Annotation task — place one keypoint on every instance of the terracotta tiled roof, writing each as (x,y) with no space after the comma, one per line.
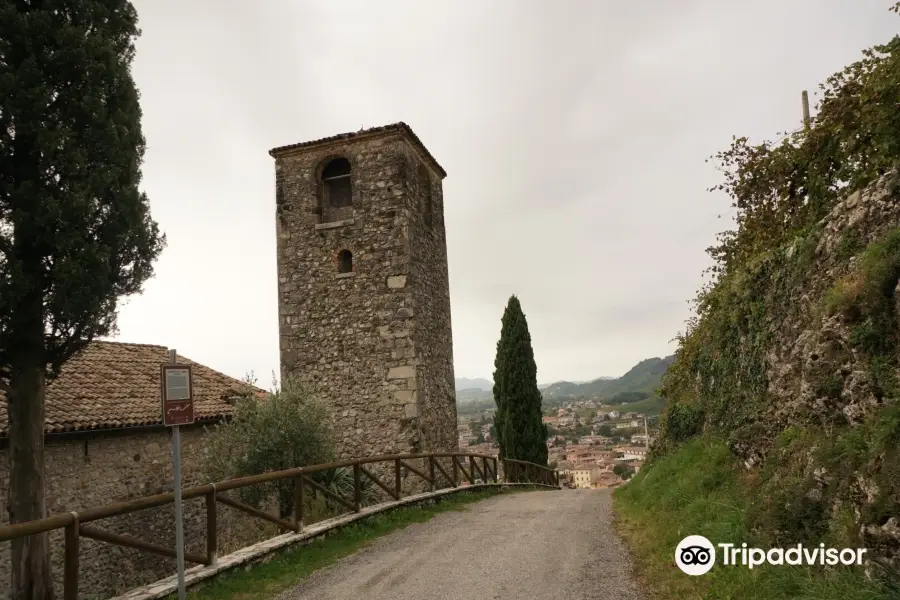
(583,467)
(400,127)
(116,385)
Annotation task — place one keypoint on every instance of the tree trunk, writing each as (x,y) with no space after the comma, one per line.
(31,576)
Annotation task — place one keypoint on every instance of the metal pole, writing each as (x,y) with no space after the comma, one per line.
(179,507)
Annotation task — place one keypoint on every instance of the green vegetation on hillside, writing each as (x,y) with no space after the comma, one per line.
(789,366)
(643,377)
(635,391)
(650,406)
(476,407)
(701,489)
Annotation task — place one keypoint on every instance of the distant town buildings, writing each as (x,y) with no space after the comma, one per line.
(590,446)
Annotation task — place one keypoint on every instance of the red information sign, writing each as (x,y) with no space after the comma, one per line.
(177,395)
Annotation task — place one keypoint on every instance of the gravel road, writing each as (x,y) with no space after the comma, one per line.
(545,545)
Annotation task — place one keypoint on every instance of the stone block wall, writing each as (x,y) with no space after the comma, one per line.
(96,470)
(430,287)
(361,341)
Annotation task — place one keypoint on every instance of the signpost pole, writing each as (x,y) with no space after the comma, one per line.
(179,507)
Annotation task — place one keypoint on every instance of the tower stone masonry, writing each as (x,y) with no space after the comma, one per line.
(363,288)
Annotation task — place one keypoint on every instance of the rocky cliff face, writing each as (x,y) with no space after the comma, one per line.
(816,366)
(796,360)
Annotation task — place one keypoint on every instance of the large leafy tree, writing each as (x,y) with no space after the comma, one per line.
(75,231)
(521,432)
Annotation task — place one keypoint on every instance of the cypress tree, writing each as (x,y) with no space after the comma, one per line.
(520,429)
(75,229)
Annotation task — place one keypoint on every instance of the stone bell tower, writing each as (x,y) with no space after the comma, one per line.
(363,290)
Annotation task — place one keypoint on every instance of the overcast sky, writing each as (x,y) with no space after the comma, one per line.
(574,134)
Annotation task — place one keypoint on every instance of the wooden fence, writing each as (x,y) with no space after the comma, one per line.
(75,523)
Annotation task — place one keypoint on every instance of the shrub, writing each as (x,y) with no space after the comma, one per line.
(682,422)
(283,429)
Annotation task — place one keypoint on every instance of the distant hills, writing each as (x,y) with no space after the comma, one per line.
(640,382)
(642,377)
(479,383)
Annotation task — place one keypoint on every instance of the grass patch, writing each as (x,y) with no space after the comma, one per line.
(586,415)
(264,581)
(700,489)
(648,406)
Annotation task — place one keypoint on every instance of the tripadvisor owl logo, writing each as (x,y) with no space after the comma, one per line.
(695,555)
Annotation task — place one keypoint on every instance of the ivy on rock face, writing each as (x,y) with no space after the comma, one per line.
(793,354)
(780,189)
(780,192)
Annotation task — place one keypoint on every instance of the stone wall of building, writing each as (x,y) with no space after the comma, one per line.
(373,344)
(95,470)
(430,287)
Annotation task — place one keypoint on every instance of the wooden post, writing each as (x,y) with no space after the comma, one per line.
(397,478)
(496,470)
(212,542)
(357,486)
(484,469)
(431,460)
(70,575)
(472,469)
(806,119)
(299,496)
(455,471)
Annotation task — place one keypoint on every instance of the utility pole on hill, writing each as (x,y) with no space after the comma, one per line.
(806,119)
(646,434)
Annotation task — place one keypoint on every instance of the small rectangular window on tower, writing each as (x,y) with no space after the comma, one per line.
(339,191)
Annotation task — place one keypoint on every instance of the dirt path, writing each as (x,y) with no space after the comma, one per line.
(545,545)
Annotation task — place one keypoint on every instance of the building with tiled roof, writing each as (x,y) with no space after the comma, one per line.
(114,385)
(105,443)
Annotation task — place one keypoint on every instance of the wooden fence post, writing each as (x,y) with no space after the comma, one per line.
(299,496)
(496,470)
(431,460)
(357,486)
(397,478)
(70,575)
(212,542)
(455,471)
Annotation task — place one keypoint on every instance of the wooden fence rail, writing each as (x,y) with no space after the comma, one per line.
(74,523)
